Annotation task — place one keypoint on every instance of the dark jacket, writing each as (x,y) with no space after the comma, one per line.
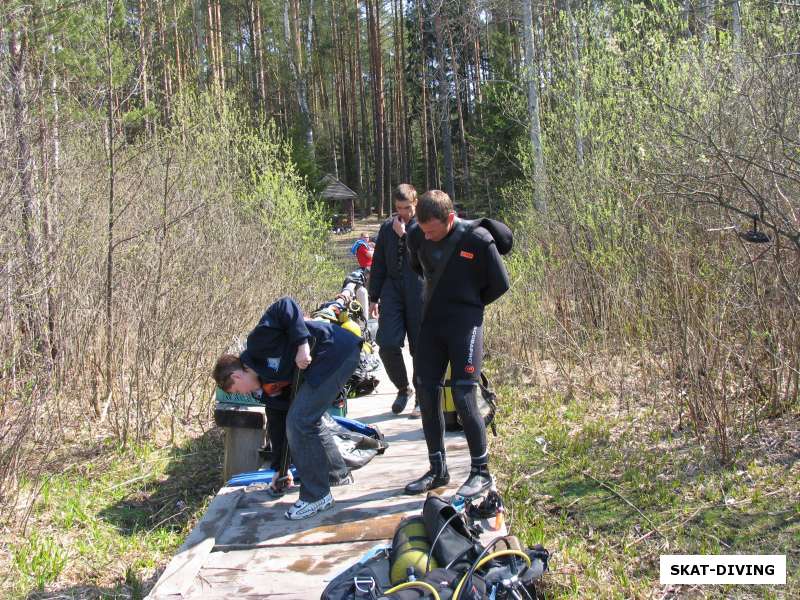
(390,263)
(273,343)
(474,275)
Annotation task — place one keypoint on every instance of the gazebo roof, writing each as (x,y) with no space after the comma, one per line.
(335,189)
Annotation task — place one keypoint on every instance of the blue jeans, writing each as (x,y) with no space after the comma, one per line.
(304,429)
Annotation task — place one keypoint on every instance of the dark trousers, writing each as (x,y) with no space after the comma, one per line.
(276,429)
(458,340)
(399,317)
(309,441)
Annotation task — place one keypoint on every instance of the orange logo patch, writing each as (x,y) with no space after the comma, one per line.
(470,368)
(468,255)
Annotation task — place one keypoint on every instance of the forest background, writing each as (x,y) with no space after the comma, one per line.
(159,169)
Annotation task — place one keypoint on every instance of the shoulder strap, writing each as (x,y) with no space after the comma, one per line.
(453,240)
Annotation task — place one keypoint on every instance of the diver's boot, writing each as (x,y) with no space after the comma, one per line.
(437,476)
(479,481)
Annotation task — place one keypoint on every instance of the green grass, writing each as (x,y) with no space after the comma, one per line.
(102,528)
(607,491)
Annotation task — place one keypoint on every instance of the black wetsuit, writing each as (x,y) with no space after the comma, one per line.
(399,290)
(452,322)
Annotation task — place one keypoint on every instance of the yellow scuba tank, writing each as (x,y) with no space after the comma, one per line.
(352,327)
(410,548)
(345,322)
(448,405)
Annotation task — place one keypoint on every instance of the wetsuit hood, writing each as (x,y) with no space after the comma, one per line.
(503,238)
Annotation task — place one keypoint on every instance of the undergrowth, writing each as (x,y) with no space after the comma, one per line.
(608,488)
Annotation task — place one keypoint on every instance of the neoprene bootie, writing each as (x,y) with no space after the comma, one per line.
(437,476)
(479,481)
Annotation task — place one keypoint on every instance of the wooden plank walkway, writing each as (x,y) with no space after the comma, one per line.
(243,547)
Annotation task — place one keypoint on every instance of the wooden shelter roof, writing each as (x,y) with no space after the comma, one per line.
(335,189)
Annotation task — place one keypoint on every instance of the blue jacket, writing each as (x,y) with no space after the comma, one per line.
(273,343)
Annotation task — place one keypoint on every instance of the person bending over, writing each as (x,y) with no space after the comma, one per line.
(278,345)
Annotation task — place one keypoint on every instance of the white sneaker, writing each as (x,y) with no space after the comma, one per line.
(303,510)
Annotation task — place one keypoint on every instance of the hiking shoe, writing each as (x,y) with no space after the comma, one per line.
(479,481)
(415,414)
(427,482)
(303,510)
(401,400)
(346,480)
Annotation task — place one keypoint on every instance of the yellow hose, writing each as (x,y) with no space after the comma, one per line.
(486,559)
(409,584)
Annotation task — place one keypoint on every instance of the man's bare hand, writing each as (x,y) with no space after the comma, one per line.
(303,357)
(374,311)
(399,226)
(279,484)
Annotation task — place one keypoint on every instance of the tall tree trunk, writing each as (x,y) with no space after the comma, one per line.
(18,61)
(397,97)
(444,107)
(166,67)
(253,45)
(309,63)
(737,36)
(424,84)
(378,103)
(220,47)
(406,119)
(54,197)
(198,20)
(531,77)
(291,19)
(366,171)
(354,130)
(578,83)
(144,48)
(461,130)
(178,61)
(478,77)
(212,44)
(709,8)
(342,105)
(109,328)
(261,84)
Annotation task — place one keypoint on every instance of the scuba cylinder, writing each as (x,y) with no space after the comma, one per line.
(448,405)
(410,549)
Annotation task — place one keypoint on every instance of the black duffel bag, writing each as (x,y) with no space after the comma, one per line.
(453,537)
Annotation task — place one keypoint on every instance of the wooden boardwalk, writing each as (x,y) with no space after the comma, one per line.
(244,547)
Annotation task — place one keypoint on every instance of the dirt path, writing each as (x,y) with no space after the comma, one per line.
(343,242)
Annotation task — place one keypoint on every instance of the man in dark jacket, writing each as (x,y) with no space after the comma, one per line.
(398,289)
(460,261)
(280,343)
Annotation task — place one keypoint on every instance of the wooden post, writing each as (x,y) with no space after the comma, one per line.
(241,450)
(244,435)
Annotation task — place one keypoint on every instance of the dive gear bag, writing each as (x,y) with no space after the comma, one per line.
(502,570)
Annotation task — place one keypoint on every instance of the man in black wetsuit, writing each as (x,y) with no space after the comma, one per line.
(398,289)
(460,261)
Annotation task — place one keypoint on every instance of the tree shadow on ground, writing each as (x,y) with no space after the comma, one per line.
(132,588)
(194,473)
